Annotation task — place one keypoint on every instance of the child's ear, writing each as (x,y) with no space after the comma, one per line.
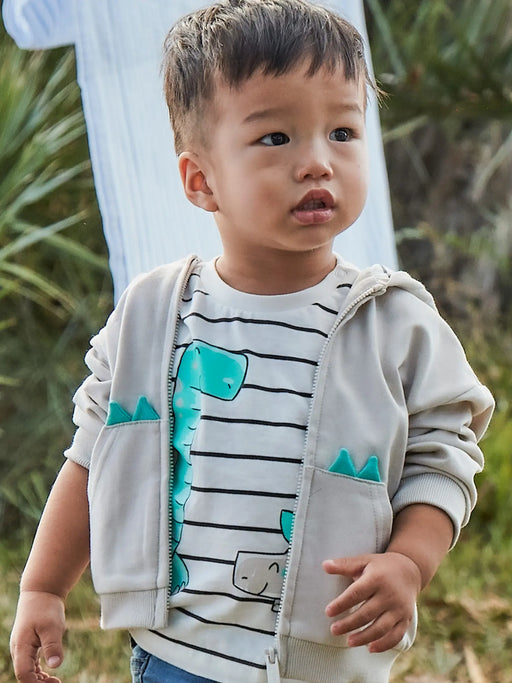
(194,181)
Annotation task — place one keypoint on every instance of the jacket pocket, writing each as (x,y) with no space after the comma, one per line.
(125,498)
(337,516)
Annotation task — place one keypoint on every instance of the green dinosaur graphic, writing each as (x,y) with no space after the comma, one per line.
(203,369)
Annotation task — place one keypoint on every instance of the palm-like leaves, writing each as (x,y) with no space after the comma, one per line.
(38,125)
(53,269)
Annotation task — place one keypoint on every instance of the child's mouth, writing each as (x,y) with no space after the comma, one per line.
(312,205)
(317,206)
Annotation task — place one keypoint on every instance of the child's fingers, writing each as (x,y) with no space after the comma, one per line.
(47,678)
(38,630)
(346,566)
(25,662)
(381,633)
(364,615)
(388,640)
(355,594)
(360,591)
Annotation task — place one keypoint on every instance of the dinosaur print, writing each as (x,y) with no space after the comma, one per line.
(203,369)
(262,573)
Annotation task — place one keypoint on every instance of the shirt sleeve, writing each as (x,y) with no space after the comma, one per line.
(39,24)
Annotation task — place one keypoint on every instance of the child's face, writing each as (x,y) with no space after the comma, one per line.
(285,162)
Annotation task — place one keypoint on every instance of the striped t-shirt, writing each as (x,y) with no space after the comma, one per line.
(243,379)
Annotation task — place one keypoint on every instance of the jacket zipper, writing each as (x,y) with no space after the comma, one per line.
(271,654)
(170,393)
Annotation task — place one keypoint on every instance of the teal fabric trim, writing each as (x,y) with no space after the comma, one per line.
(118,415)
(287,524)
(371,469)
(144,410)
(344,465)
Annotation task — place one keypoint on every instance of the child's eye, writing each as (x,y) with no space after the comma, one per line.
(340,135)
(274,139)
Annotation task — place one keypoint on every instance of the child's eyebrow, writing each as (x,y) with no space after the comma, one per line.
(270,112)
(261,114)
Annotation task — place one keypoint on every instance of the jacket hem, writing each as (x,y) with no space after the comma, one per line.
(323,663)
(135,609)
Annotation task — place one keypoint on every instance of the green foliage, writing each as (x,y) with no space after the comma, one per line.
(443,58)
(40,124)
(54,282)
(447,67)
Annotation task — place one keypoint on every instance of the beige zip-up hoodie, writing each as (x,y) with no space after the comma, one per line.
(392,382)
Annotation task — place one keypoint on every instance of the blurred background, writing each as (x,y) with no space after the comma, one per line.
(446,66)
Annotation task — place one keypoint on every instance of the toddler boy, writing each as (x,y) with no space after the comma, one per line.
(274,450)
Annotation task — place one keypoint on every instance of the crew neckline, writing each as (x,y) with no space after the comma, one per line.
(235,298)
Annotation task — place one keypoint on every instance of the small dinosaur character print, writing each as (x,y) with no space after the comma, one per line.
(262,573)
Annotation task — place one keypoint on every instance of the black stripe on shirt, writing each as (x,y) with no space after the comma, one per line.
(266,423)
(233,527)
(215,560)
(208,652)
(222,623)
(327,310)
(277,390)
(269,356)
(238,598)
(244,492)
(245,456)
(190,298)
(256,321)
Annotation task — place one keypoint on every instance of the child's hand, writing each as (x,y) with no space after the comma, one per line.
(382,598)
(39,625)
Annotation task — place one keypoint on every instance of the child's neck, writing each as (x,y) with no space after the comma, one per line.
(291,273)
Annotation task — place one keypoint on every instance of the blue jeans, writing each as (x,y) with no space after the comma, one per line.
(146,668)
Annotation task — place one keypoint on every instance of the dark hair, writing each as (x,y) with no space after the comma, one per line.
(233,39)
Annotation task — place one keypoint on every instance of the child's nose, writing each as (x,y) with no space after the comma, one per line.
(313,162)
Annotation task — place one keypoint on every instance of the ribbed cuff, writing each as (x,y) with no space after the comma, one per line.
(437,490)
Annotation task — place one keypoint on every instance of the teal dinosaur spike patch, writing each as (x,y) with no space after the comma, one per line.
(144,410)
(118,415)
(344,465)
(371,469)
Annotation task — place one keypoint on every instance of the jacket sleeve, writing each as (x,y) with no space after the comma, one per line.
(142,318)
(92,397)
(449,410)
(37,24)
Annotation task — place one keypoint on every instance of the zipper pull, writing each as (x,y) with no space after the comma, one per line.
(272,664)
